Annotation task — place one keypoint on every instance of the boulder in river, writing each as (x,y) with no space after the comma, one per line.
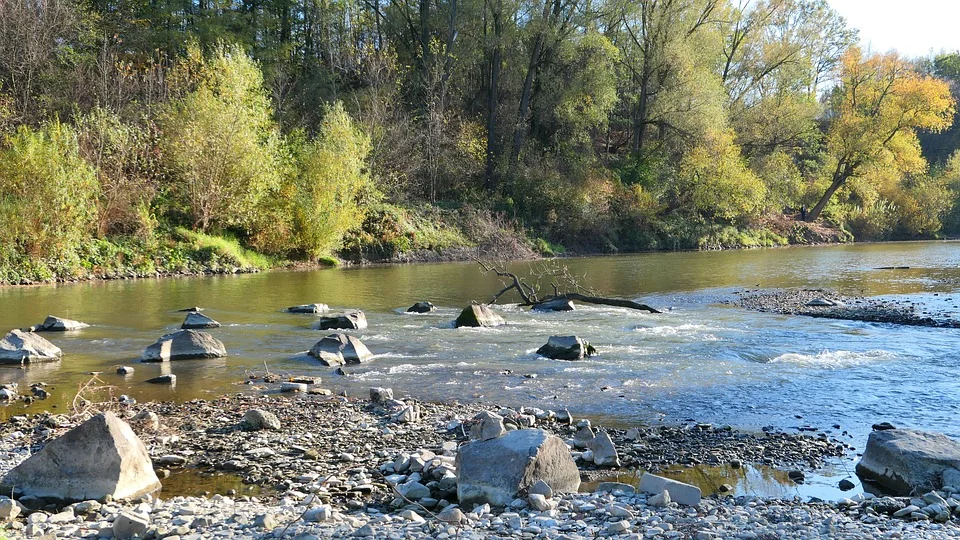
(196,320)
(908,461)
(555,304)
(478,315)
(184,345)
(19,347)
(309,308)
(169,379)
(101,457)
(338,349)
(57,324)
(421,307)
(566,348)
(348,320)
(496,470)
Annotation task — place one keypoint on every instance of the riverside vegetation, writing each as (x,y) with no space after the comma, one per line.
(144,138)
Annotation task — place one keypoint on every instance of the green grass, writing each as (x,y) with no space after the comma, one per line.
(222,250)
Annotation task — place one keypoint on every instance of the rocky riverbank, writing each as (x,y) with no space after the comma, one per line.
(833,305)
(333,467)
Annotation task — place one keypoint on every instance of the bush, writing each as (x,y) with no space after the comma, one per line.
(219,141)
(330,182)
(48,197)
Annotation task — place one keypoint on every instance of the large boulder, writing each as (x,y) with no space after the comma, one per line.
(566,348)
(184,345)
(478,315)
(495,471)
(56,324)
(19,347)
(421,307)
(309,308)
(348,320)
(99,458)
(339,349)
(555,304)
(908,461)
(196,320)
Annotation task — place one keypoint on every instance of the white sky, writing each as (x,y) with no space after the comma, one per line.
(912,27)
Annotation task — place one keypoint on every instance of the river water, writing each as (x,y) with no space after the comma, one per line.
(701,359)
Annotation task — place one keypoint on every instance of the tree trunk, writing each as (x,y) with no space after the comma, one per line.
(844,170)
(495,66)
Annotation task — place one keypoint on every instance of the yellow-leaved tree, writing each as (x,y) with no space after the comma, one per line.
(879,105)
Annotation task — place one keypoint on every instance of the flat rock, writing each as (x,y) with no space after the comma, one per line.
(478,315)
(19,347)
(99,458)
(184,345)
(309,308)
(348,320)
(57,324)
(907,460)
(566,348)
(496,470)
(339,349)
(678,491)
(169,378)
(196,320)
(421,307)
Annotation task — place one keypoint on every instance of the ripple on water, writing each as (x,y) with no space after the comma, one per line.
(834,359)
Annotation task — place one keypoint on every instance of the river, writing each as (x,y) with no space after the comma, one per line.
(701,359)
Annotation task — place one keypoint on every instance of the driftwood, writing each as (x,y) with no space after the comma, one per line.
(530,294)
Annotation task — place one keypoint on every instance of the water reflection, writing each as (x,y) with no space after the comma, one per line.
(755,480)
(701,360)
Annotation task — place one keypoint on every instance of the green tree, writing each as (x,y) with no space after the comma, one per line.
(219,140)
(48,195)
(330,182)
(879,105)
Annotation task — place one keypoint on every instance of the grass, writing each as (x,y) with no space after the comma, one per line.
(222,250)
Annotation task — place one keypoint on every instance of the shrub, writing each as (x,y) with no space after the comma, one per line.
(48,199)
(219,140)
(330,182)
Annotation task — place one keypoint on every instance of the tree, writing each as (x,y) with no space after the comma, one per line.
(877,108)
(219,140)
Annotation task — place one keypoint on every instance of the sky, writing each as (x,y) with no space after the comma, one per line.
(912,27)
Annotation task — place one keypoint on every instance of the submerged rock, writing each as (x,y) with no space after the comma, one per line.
(555,304)
(907,460)
(567,348)
(19,347)
(478,315)
(421,307)
(496,470)
(309,308)
(348,320)
(57,324)
(169,379)
(184,345)
(196,320)
(101,457)
(339,349)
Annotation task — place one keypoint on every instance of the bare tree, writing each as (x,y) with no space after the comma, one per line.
(559,276)
(31,32)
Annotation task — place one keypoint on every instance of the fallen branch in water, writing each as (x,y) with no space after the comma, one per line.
(530,293)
